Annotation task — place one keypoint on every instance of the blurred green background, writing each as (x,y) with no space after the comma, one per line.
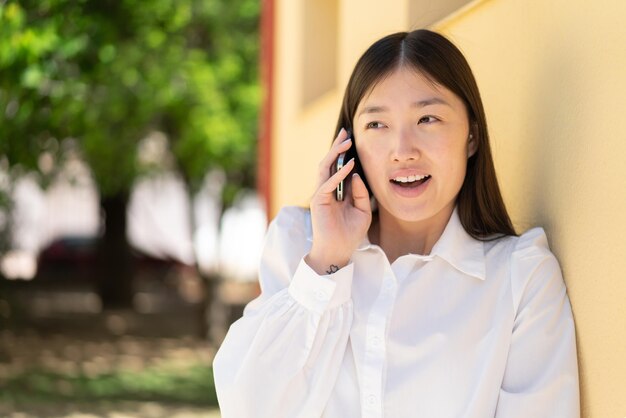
(91,79)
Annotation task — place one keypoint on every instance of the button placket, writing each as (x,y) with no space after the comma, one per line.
(375,341)
(375,349)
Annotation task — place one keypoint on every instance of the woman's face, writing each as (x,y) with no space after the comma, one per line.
(412,138)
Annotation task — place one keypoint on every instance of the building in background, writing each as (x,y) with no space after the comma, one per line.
(551,77)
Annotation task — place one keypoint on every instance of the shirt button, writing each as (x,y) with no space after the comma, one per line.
(375,341)
(371,399)
(322,295)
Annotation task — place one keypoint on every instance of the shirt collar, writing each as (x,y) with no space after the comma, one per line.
(459,249)
(455,246)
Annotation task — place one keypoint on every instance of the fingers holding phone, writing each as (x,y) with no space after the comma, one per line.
(339,225)
(343,153)
(352,185)
(358,191)
(327,166)
(341,170)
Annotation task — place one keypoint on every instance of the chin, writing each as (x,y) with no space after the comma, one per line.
(407,214)
(414,213)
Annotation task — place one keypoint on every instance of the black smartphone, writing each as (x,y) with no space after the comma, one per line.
(343,158)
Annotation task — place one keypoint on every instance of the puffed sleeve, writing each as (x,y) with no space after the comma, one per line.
(281,358)
(541,376)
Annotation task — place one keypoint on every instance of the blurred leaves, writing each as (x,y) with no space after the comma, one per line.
(107,73)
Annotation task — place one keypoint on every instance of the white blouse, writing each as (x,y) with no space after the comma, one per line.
(475,329)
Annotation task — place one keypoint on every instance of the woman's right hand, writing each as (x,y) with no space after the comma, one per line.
(338,226)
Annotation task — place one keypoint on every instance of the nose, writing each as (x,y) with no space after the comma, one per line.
(406,146)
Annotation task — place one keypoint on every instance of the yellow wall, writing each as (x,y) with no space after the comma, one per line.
(553,79)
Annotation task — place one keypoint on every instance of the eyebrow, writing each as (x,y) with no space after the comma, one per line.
(422,103)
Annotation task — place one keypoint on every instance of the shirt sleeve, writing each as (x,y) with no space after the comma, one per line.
(541,376)
(281,358)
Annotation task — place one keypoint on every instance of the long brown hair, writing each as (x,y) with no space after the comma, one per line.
(480,205)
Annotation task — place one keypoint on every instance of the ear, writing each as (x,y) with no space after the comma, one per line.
(472,140)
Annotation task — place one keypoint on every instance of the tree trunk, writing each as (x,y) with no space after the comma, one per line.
(207,281)
(114,259)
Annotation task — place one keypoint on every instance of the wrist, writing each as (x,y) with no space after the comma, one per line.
(323,265)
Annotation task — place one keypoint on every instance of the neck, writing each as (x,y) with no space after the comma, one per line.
(397,237)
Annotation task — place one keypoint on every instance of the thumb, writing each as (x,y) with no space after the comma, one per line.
(359,194)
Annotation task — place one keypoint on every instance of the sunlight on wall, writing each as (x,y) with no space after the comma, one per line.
(553,86)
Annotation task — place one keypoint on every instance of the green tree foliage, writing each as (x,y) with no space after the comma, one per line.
(97,76)
(107,72)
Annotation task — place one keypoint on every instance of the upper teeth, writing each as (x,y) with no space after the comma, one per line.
(409,179)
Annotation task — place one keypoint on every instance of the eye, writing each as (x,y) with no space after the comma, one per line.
(427,119)
(374,125)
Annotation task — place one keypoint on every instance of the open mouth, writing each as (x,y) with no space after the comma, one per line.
(411,181)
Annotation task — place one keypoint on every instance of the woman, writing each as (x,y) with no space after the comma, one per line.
(422,302)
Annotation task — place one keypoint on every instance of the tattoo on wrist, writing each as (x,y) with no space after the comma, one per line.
(333,269)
